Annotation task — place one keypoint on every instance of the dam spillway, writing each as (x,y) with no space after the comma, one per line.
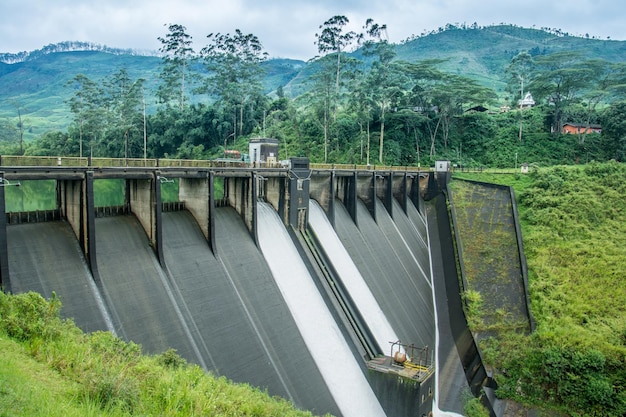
(321,334)
(207,279)
(351,277)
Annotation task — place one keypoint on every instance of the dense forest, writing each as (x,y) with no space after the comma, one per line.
(362,100)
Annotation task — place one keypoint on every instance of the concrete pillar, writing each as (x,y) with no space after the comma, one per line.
(399,184)
(414,186)
(88,225)
(251,215)
(211,225)
(275,191)
(322,189)
(71,202)
(197,194)
(388,200)
(242,196)
(384,189)
(157,210)
(347,193)
(299,186)
(366,190)
(76,201)
(144,196)
(330,211)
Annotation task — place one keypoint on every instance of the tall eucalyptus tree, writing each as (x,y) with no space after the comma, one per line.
(442,97)
(125,97)
(519,72)
(177,66)
(561,77)
(384,82)
(609,81)
(333,39)
(235,73)
(87,104)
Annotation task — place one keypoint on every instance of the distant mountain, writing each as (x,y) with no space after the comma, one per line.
(8,58)
(37,85)
(36,81)
(484,53)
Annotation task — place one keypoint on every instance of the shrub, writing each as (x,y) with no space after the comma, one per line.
(473,408)
(474,308)
(170,359)
(29,316)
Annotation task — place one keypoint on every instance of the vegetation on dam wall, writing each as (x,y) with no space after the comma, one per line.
(491,267)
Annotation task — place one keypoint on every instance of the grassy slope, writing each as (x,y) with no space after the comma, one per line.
(574,227)
(48,367)
(30,388)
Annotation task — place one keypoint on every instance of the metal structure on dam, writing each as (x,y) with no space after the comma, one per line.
(211,276)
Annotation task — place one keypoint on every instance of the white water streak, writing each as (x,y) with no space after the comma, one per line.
(436,411)
(351,277)
(324,339)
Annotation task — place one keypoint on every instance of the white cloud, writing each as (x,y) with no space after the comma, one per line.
(285,27)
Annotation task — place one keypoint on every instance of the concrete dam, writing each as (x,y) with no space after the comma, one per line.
(325,287)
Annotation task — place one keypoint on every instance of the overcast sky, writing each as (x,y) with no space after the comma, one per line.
(286,28)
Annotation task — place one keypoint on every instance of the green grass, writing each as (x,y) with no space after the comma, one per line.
(30,388)
(574,232)
(48,367)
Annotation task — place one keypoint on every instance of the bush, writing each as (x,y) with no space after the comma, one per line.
(474,408)
(474,308)
(29,316)
(170,359)
(113,390)
(575,379)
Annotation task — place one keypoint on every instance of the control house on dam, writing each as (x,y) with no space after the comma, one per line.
(314,284)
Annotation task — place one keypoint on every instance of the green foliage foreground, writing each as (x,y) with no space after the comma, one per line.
(48,367)
(574,227)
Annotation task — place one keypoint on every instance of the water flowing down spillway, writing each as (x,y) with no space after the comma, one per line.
(323,338)
(351,277)
(400,285)
(450,377)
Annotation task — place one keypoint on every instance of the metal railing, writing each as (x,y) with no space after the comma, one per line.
(69,161)
(74,161)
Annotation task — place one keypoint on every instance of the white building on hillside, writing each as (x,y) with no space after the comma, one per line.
(526,102)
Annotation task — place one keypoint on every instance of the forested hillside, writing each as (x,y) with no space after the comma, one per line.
(437,95)
(485,53)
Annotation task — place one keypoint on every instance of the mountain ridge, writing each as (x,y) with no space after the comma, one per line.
(69,46)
